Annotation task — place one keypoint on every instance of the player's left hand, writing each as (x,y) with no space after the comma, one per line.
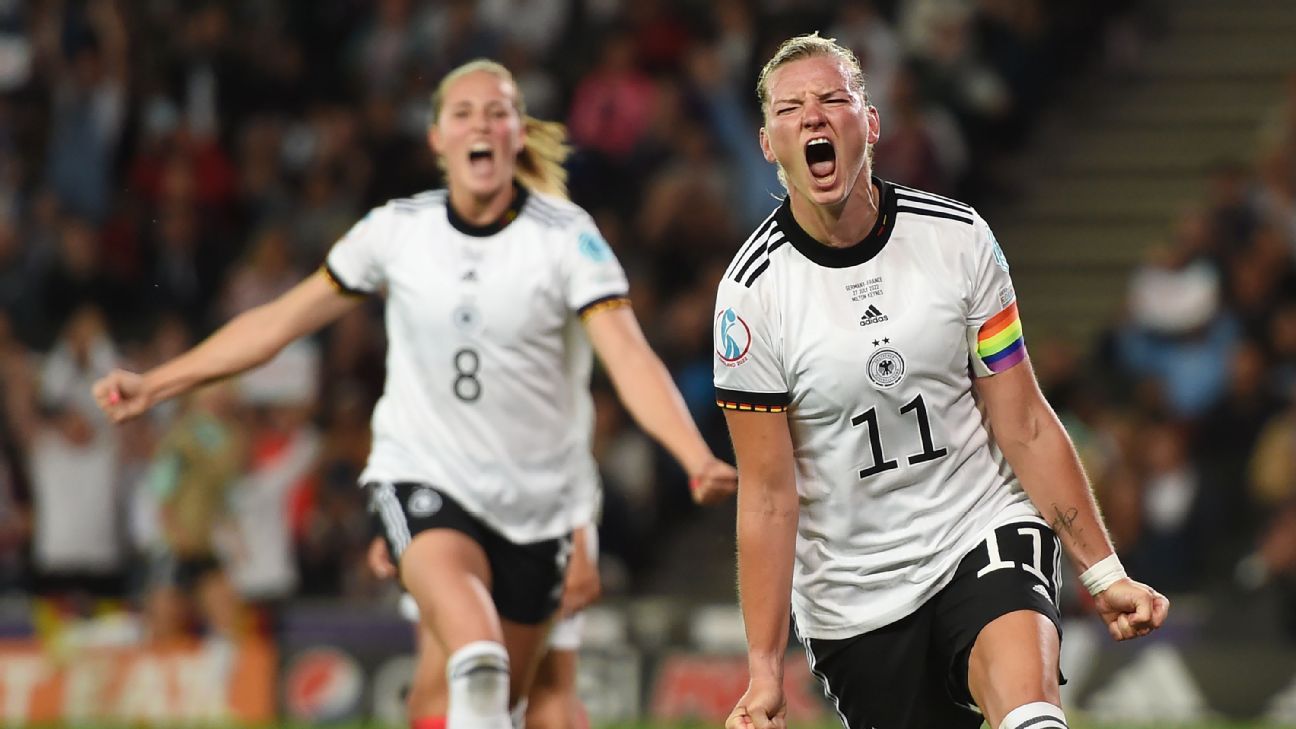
(582,585)
(379,561)
(713,483)
(763,706)
(1131,609)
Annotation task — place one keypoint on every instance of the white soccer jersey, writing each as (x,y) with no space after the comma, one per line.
(487,391)
(870,351)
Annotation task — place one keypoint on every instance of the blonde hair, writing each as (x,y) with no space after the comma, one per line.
(540,163)
(808,46)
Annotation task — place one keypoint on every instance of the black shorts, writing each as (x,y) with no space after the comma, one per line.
(913,673)
(183,573)
(526,579)
(109,585)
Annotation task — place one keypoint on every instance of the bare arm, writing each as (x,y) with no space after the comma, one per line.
(1041,454)
(247,340)
(649,393)
(768,509)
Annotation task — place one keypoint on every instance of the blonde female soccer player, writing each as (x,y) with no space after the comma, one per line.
(495,290)
(856,333)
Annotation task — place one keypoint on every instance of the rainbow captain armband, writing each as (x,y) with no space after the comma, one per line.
(998,344)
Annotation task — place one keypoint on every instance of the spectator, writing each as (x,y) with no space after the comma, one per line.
(1222,447)
(79,548)
(15,491)
(613,103)
(923,146)
(267,272)
(90,84)
(862,29)
(1178,335)
(1170,545)
(535,26)
(196,464)
(283,451)
(386,48)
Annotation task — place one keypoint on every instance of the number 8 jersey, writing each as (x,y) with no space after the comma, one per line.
(869,352)
(487,390)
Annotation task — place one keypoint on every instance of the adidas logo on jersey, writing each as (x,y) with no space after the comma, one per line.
(873,316)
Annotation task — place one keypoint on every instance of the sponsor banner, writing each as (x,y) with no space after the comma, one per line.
(127,685)
(323,684)
(701,687)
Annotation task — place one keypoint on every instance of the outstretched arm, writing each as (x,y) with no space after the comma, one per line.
(645,386)
(247,340)
(1041,454)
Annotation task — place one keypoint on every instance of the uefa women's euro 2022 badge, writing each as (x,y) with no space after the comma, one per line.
(593,247)
(732,338)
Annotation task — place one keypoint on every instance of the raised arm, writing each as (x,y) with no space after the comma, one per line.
(1041,454)
(767,526)
(645,386)
(247,340)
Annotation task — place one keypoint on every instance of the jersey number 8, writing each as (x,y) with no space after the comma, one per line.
(466,385)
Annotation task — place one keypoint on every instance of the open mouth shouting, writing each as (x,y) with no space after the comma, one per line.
(481,158)
(821,159)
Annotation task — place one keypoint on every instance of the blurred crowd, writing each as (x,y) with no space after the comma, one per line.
(1187,409)
(167,164)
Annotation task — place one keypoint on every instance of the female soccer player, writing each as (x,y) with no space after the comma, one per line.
(856,332)
(480,459)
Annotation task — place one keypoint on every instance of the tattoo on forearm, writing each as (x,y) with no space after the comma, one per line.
(1064,521)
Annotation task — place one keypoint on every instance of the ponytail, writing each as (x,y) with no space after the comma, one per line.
(540,164)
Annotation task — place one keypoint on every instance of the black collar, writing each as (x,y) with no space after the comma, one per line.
(520,196)
(831,257)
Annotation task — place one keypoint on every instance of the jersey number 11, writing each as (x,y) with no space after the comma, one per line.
(880,463)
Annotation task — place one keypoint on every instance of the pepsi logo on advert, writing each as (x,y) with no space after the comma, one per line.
(323,684)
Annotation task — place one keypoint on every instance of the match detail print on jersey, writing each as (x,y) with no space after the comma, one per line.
(1000,343)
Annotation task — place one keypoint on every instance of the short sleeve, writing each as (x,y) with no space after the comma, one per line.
(594,277)
(994,329)
(747,361)
(355,263)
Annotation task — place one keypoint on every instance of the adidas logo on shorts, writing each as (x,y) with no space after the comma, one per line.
(873,316)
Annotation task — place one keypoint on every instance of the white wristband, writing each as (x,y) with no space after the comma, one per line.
(1103,574)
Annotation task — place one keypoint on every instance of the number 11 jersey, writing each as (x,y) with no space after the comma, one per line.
(487,391)
(869,352)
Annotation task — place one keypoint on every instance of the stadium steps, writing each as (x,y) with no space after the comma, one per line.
(1112,167)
